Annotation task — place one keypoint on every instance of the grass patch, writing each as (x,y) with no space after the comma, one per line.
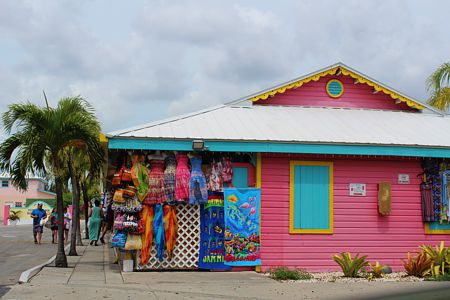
(445,277)
(283,273)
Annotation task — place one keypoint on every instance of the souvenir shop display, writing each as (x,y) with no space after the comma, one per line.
(158,231)
(198,194)
(147,237)
(170,178)
(242,227)
(182,178)
(170,229)
(212,247)
(149,189)
(435,191)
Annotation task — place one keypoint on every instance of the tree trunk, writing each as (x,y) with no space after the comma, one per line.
(86,210)
(61,259)
(79,241)
(75,203)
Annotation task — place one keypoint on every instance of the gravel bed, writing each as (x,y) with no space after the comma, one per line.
(339,277)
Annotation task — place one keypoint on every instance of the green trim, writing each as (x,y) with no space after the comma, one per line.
(50,202)
(46,192)
(232,146)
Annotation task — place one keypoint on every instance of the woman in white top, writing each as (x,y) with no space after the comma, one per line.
(67,219)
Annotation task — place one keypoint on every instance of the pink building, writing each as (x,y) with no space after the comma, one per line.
(9,195)
(327,147)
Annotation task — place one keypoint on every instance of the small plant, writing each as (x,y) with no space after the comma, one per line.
(419,265)
(350,266)
(440,258)
(445,277)
(283,273)
(14,215)
(377,269)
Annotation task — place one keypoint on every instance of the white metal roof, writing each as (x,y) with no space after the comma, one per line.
(301,125)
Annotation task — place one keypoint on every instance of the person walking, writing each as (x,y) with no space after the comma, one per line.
(38,214)
(54,225)
(67,219)
(96,215)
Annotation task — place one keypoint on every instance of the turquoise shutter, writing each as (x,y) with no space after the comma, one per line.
(240,177)
(311,198)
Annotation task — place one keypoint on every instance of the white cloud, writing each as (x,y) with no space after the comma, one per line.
(141,61)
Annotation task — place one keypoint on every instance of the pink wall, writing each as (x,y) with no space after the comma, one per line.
(11,194)
(355,96)
(357,225)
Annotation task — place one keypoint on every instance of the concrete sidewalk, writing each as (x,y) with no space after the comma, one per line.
(93,276)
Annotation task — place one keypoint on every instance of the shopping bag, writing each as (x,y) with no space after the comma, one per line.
(118,196)
(134,242)
(119,239)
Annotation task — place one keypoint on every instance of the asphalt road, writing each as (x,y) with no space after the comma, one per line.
(19,253)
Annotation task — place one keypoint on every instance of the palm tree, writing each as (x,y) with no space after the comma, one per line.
(438,86)
(79,168)
(39,131)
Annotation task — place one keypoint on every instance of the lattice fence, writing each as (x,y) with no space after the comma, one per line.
(187,246)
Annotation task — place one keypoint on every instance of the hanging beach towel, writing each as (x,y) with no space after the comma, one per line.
(242,244)
(170,229)
(147,237)
(212,226)
(158,231)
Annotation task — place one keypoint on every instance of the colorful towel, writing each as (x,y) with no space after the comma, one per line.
(170,228)
(242,244)
(147,239)
(212,247)
(158,231)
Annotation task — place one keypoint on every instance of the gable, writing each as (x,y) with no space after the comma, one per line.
(359,91)
(314,93)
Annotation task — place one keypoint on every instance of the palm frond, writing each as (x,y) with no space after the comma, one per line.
(439,77)
(440,98)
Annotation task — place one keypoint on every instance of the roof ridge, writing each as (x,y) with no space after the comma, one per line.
(165,121)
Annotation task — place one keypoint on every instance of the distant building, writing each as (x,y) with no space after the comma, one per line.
(11,196)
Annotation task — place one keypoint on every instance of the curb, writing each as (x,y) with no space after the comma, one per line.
(30,273)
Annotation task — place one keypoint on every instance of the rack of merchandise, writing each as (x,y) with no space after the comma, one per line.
(158,198)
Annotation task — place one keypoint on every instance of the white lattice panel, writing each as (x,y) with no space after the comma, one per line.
(185,254)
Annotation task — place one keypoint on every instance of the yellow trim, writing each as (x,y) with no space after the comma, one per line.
(435,231)
(103,138)
(328,92)
(258,185)
(294,163)
(346,72)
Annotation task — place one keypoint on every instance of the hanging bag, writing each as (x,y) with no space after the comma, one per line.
(118,222)
(133,242)
(118,196)
(117,178)
(129,192)
(119,240)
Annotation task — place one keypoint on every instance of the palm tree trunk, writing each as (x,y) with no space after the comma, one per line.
(79,241)
(86,209)
(75,203)
(61,259)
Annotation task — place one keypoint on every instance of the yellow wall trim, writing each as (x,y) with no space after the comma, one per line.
(258,185)
(346,72)
(293,230)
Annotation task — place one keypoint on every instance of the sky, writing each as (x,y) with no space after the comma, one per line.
(141,61)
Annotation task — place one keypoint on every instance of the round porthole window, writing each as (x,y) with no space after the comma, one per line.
(335,88)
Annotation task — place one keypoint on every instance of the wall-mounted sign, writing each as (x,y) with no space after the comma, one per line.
(403,178)
(357,189)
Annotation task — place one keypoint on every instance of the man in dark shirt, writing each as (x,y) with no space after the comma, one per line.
(38,214)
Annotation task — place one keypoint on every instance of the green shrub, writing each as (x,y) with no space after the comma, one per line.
(350,266)
(283,273)
(419,265)
(440,258)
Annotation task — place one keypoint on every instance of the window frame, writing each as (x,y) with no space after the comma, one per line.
(7,183)
(292,229)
